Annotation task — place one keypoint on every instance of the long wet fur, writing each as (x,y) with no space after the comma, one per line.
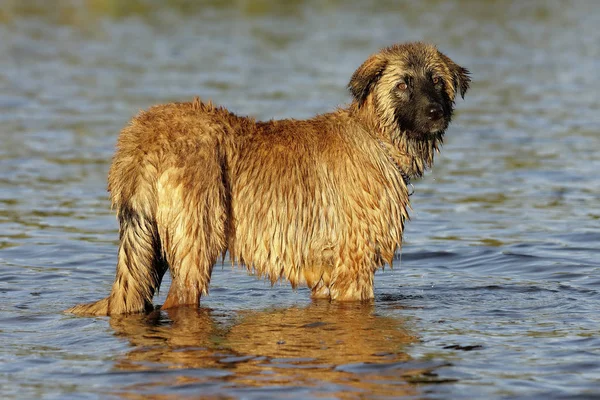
(320,202)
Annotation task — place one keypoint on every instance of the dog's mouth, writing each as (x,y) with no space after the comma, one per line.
(427,131)
(423,126)
(437,128)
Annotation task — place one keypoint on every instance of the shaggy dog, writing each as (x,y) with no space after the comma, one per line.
(320,202)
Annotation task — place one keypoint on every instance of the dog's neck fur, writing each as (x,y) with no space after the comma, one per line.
(414,155)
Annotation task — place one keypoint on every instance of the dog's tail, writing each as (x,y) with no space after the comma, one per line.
(140,268)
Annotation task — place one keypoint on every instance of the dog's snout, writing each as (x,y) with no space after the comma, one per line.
(435,112)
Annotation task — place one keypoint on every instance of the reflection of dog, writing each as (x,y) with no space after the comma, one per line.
(333,348)
(330,333)
(321,201)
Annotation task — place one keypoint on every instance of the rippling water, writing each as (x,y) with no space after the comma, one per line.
(498,288)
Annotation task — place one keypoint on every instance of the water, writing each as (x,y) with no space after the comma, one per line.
(497,291)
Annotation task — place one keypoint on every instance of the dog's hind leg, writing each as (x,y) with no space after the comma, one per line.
(192,217)
(140,268)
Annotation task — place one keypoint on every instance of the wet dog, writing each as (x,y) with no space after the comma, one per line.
(320,202)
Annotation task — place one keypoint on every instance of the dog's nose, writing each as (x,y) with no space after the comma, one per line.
(435,112)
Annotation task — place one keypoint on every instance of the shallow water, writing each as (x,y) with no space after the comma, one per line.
(497,290)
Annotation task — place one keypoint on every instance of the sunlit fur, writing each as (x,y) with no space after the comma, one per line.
(320,202)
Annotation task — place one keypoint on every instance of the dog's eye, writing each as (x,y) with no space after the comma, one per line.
(436,80)
(402,86)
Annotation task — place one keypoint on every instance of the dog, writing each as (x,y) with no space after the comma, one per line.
(320,202)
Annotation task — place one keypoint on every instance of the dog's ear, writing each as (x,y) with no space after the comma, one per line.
(460,76)
(364,78)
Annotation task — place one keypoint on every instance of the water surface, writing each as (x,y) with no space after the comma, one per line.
(497,290)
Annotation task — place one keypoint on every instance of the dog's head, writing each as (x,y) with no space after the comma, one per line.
(412,88)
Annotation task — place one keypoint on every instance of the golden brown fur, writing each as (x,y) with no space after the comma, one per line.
(320,202)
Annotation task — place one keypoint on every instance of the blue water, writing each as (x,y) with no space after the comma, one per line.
(495,294)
